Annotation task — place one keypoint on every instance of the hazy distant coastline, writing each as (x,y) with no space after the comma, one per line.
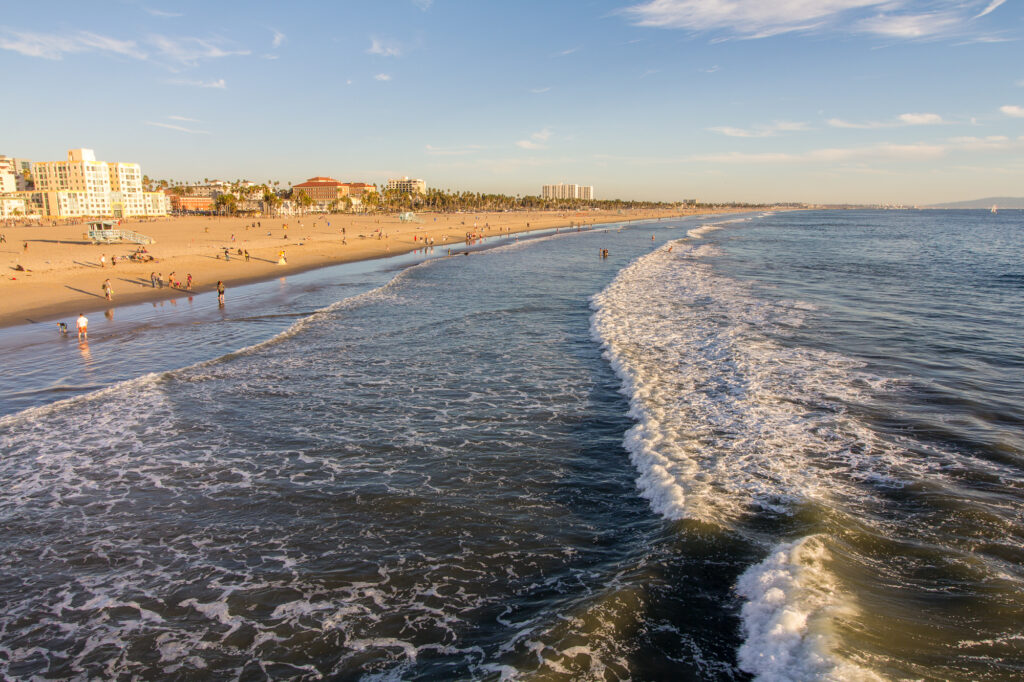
(1001,202)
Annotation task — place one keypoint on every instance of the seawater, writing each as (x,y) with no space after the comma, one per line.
(780,446)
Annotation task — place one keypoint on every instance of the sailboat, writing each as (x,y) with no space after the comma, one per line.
(994,207)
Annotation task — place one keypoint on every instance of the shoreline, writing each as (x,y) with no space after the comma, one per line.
(64,272)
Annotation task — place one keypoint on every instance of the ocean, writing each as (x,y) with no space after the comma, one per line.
(773,446)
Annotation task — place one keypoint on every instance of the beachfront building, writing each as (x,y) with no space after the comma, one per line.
(15,174)
(84,187)
(190,203)
(566,191)
(407,185)
(12,207)
(358,189)
(321,189)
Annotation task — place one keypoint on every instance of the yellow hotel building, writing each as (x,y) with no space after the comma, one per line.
(84,187)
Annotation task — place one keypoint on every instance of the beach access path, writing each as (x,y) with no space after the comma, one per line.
(64,271)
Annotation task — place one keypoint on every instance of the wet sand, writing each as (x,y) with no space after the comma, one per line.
(64,272)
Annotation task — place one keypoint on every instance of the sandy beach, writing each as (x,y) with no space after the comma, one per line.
(64,271)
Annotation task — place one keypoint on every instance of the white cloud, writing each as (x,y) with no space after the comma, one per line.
(183,129)
(901,120)
(536,140)
(910,25)
(382,77)
(279,39)
(53,46)
(921,119)
(219,84)
(538,91)
(565,53)
(753,19)
(761,130)
(1013,110)
(423,4)
(384,49)
(184,118)
(188,51)
(992,6)
(162,13)
(840,123)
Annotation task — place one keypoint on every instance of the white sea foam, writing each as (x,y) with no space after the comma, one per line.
(792,601)
(728,419)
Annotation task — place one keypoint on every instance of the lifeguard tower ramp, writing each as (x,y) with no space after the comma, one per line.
(106,232)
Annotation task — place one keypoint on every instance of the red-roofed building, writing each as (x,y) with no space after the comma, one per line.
(321,189)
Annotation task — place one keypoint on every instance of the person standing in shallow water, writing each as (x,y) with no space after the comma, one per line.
(220,292)
(82,324)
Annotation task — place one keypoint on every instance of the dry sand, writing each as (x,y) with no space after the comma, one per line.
(63,274)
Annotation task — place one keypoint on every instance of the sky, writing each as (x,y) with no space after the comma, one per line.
(826,101)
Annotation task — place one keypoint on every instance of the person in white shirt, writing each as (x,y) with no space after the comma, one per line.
(82,323)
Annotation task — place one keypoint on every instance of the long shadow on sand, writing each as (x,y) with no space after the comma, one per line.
(83,291)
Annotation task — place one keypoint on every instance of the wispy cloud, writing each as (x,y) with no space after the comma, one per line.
(218,84)
(161,13)
(921,119)
(992,6)
(184,118)
(384,48)
(189,51)
(565,53)
(278,40)
(901,120)
(536,141)
(770,130)
(182,129)
(886,152)
(910,25)
(173,51)
(1013,110)
(538,91)
(751,19)
(382,77)
(423,4)
(55,46)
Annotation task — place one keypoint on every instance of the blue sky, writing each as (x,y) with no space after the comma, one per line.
(913,101)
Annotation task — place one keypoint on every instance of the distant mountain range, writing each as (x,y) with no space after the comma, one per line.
(1001,202)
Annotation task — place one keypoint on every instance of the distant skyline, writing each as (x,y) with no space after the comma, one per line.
(830,101)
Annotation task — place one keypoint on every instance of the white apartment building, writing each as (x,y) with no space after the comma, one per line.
(407,186)
(8,179)
(12,207)
(566,191)
(83,186)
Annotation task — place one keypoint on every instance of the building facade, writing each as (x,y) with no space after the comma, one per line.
(84,187)
(321,189)
(407,185)
(565,191)
(8,178)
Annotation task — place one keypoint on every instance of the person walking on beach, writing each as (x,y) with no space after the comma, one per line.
(220,292)
(160,279)
(82,324)
(188,281)
(103,260)
(108,290)
(247,255)
(152,279)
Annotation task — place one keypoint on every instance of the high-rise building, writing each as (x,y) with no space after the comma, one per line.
(83,186)
(407,185)
(565,191)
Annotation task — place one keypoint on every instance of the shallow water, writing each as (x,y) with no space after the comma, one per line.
(788,448)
